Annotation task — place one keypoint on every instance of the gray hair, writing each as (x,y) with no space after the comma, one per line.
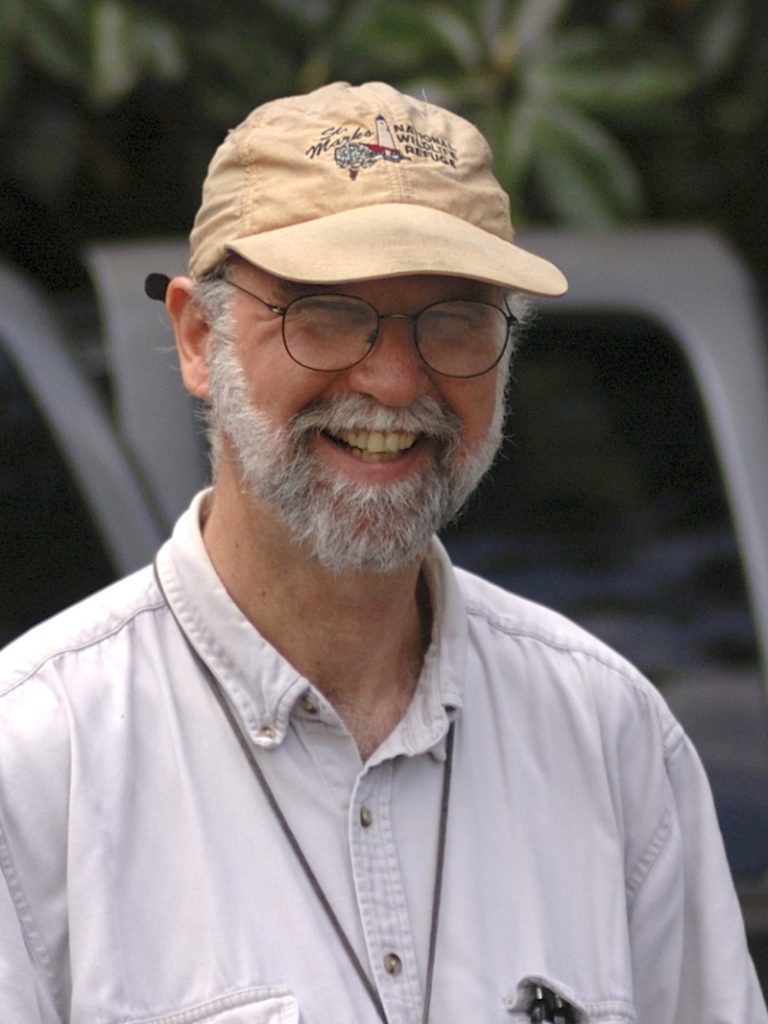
(216,297)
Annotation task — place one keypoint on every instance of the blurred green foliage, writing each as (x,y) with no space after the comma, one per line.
(598,112)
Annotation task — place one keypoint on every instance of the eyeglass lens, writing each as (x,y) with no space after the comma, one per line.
(333,332)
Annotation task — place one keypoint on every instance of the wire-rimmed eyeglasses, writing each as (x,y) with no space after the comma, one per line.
(330,333)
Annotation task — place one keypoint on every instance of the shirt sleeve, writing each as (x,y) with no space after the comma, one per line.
(690,959)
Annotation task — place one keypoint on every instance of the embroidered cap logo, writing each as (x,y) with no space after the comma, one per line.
(354,153)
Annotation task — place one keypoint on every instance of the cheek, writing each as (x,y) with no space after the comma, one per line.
(474,402)
(277,386)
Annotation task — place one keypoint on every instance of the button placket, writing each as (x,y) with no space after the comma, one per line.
(381,896)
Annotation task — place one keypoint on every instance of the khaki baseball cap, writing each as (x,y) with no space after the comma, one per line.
(349,183)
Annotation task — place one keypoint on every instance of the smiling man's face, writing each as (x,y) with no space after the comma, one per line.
(361,465)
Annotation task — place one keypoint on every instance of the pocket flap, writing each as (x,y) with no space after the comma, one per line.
(537,993)
(258,1005)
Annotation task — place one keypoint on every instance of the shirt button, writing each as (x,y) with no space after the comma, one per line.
(366,816)
(392,963)
(309,704)
(267,732)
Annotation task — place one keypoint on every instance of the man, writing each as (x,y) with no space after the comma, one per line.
(303,769)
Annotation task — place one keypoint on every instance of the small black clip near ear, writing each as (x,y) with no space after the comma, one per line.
(156,285)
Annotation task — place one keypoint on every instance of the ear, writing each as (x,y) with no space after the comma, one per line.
(192,330)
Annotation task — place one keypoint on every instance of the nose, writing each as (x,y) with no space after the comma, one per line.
(392,372)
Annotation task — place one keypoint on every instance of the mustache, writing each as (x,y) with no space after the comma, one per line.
(424,415)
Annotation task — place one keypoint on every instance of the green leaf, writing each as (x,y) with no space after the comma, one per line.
(489,16)
(471,94)
(534,21)
(159,49)
(316,69)
(718,35)
(403,38)
(227,60)
(513,146)
(234,69)
(127,46)
(583,174)
(458,35)
(54,38)
(590,69)
(307,14)
(114,69)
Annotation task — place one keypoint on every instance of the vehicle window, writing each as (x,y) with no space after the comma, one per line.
(50,552)
(607,504)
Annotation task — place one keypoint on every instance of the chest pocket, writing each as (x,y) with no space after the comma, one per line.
(546,999)
(260,1005)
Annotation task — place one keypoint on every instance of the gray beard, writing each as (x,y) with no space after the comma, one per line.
(346,524)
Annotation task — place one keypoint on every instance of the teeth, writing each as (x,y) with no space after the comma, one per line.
(376,442)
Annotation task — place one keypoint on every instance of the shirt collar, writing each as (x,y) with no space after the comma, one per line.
(262,686)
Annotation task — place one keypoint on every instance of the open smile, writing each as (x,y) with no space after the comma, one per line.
(374,445)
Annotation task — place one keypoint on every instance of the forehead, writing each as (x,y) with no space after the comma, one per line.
(410,289)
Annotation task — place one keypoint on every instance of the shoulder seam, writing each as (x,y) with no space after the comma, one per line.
(92,642)
(619,665)
(673,739)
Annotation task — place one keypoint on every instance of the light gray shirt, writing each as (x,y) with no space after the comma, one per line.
(145,878)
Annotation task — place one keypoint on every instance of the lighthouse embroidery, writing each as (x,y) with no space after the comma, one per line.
(355,150)
(353,155)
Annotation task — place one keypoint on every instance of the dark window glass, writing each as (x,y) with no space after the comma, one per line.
(50,552)
(607,505)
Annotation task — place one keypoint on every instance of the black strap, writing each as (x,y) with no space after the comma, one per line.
(439,864)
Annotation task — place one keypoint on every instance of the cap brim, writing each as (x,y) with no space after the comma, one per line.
(392,240)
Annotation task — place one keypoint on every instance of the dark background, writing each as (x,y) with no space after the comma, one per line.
(599,113)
